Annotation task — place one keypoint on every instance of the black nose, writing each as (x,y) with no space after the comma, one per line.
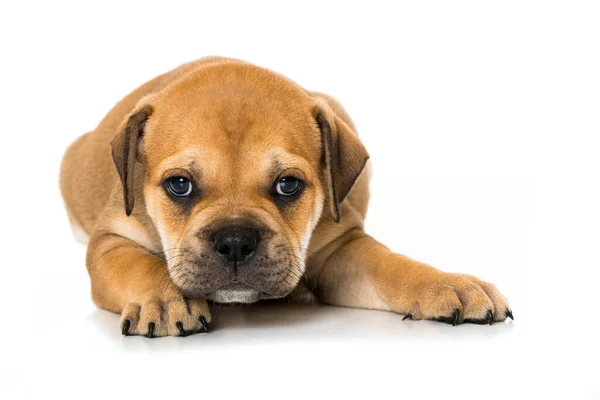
(236,245)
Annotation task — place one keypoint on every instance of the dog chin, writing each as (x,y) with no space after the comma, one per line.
(242,295)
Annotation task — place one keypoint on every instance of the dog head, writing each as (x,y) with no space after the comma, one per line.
(236,165)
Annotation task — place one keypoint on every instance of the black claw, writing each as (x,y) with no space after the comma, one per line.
(150,333)
(182,332)
(455,315)
(453,319)
(407,316)
(489,317)
(203,322)
(126,326)
(509,314)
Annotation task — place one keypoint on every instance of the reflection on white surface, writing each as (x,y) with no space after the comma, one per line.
(262,323)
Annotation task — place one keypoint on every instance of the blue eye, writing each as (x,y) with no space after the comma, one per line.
(179,186)
(288,186)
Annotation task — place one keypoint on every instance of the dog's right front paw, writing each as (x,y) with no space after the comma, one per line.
(156,317)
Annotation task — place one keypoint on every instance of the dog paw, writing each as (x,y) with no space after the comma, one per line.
(457,298)
(155,317)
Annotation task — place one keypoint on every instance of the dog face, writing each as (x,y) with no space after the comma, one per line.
(238,165)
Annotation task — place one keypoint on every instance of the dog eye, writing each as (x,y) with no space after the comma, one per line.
(179,186)
(288,186)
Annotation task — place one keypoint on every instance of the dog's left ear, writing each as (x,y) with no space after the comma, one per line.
(124,146)
(343,157)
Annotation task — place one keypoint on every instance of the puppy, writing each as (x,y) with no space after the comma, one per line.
(227,182)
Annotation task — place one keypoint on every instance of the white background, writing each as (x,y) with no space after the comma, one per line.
(482,121)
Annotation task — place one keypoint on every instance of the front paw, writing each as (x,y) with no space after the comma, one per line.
(457,298)
(155,316)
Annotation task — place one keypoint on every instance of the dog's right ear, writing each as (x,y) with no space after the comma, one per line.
(124,146)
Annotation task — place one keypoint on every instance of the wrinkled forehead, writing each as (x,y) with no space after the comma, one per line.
(243,147)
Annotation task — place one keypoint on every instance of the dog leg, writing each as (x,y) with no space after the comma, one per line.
(128,279)
(362,272)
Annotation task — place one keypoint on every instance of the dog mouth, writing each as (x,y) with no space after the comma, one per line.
(270,274)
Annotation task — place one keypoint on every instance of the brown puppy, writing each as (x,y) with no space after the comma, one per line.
(238,185)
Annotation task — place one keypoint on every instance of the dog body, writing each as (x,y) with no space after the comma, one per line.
(239,186)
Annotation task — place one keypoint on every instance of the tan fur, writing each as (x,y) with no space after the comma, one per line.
(231,124)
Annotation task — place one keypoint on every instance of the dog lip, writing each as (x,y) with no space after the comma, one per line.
(234,284)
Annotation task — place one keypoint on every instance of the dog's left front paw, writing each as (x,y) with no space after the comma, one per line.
(458,298)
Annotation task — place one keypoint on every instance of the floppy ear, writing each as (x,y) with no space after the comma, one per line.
(124,148)
(343,157)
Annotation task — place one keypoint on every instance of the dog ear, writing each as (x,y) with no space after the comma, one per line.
(343,157)
(124,146)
